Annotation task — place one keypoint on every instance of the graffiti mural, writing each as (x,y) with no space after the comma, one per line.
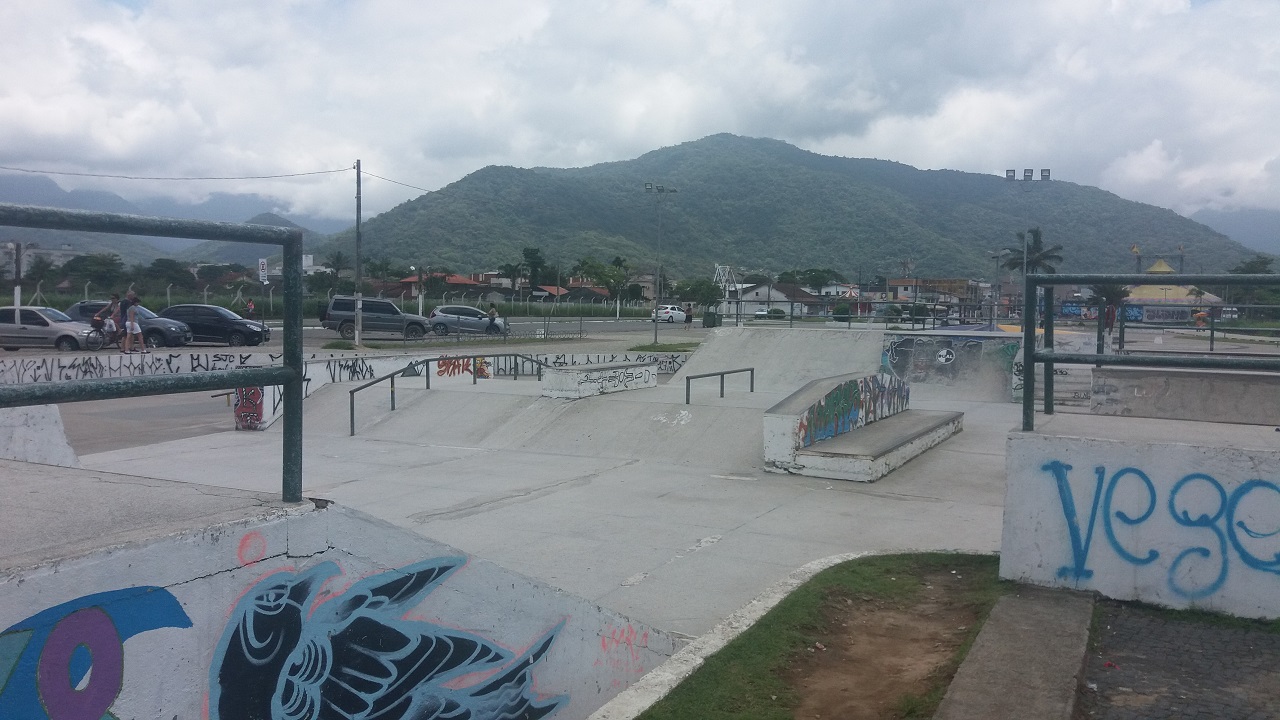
(1216,532)
(249,408)
(851,405)
(454,366)
(933,358)
(67,662)
(285,655)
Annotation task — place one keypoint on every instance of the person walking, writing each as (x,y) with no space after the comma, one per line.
(249,309)
(493,316)
(132,329)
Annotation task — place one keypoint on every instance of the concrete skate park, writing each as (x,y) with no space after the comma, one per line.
(487,540)
(621,526)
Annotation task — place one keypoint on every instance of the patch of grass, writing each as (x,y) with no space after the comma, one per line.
(664,347)
(746,679)
(338,345)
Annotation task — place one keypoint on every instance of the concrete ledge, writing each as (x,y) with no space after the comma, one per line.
(1027,660)
(877,449)
(1252,398)
(581,381)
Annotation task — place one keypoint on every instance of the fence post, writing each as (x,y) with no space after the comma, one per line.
(686,391)
(1048,347)
(1028,354)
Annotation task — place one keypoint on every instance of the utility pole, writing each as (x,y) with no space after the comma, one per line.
(359,302)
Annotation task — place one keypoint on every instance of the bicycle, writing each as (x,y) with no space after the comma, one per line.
(98,337)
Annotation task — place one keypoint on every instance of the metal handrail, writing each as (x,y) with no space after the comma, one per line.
(1048,358)
(423,367)
(688,380)
(289,375)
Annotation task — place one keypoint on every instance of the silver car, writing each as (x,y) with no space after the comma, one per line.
(464,319)
(30,326)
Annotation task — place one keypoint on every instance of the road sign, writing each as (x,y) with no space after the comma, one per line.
(262,270)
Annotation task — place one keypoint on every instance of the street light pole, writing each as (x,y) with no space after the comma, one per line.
(658,191)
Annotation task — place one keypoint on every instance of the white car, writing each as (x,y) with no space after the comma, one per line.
(668,313)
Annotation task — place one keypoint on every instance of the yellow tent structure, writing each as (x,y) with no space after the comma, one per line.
(1151,294)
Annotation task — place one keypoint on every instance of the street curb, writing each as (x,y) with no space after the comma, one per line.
(663,679)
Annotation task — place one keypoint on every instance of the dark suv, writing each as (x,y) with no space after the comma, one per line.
(376,315)
(157,331)
(216,324)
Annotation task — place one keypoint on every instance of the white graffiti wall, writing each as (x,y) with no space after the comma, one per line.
(305,613)
(1173,522)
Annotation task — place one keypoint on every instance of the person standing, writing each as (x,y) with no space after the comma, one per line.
(249,309)
(126,344)
(688,315)
(493,316)
(132,329)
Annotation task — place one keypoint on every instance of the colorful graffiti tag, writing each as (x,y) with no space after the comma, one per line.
(249,408)
(1242,526)
(67,662)
(284,655)
(853,404)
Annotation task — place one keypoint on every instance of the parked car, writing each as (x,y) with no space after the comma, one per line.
(445,319)
(216,324)
(157,331)
(32,326)
(376,315)
(667,313)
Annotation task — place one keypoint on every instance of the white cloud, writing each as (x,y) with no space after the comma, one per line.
(1168,102)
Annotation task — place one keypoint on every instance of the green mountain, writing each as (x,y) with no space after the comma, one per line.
(760,204)
(247,254)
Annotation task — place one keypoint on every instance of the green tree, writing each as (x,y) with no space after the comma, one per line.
(611,277)
(39,269)
(756,279)
(1039,258)
(513,272)
(165,271)
(702,292)
(535,264)
(1255,294)
(337,262)
(104,270)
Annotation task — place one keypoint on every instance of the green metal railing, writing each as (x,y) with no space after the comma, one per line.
(423,368)
(1048,358)
(288,375)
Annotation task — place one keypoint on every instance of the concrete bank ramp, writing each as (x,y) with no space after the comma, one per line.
(640,424)
(216,608)
(785,359)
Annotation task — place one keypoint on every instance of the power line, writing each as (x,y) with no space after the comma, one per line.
(397,182)
(139,177)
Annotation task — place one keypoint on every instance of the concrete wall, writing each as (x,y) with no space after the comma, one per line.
(972,365)
(35,434)
(282,614)
(825,408)
(1176,521)
(586,380)
(1204,395)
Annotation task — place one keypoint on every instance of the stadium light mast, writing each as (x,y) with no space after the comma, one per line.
(658,191)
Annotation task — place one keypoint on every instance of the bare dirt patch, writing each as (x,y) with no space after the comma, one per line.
(877,658)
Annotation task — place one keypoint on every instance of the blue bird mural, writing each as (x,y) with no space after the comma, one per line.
(66,662)
(355,656)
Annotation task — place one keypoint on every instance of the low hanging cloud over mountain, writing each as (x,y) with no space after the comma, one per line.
(1171,102)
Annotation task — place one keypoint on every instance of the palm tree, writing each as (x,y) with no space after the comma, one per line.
(1038,257)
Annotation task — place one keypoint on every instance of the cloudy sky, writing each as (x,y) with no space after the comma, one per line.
(1172,102)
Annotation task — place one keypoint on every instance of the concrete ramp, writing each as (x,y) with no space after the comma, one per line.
(172,609)
(785,359)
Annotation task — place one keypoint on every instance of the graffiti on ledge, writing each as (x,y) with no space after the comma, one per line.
(1242,527)
(853,404)
(67,662)
(285,655)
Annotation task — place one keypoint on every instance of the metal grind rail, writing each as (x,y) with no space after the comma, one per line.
(1048,358)
(423,368)
(289,375)
(688,380)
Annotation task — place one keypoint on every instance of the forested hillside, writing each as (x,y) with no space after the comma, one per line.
(760,204)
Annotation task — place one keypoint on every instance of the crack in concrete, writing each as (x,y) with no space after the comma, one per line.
(474,507)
